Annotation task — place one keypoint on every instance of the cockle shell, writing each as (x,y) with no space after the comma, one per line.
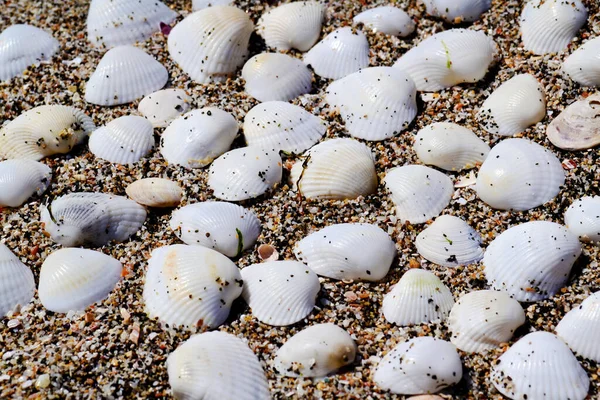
(162,107)
(16,282)
(457,11)
(583,66)
(125,140)
(582,218)
(155,192)
(20,179)
(578,126)
(387,19)
(580,328)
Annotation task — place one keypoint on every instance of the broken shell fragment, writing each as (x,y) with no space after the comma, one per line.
(20,179)
(577,127)
(17,285)
(162,107)
(155,192)
(125,140)
(387,19)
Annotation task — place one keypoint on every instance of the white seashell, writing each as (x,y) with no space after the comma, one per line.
(123,75)
(125,140)
(540,366)
(450,146)
(583,66)
(340,53)
(457,11)
(280,292)
(531,261)
(448,58)
(275,76)
(292,25)
(582,218)
(282,126)
(483,319)
(316,351)
(376,103)
(387,19)
(216,365)
(21,179)
(548,26)
(91,218)
(514,106)
(155,192)
(113,23)
(73,279)
(335,169)
(227,228)
(519,175)
(190,285)
(578,126)
(212,43)
(419,297)
(419,193)
(44,131)
(580,328)
(195,139)
(164,106)
(420,365)
(348,252)
(22,46)
(202,4)
(16,282)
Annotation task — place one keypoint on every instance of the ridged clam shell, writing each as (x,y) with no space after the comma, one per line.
(216,365)
(196,138)
(456,11)
(162,107)
(91,218)
(275,76)
(335,169)
(419,297)
(419,193)
(448,58)
(22,46)
(227,228)
(16,282)
(450,146)
(280,292)
(21,179)
(519,175)
(348,251)
(125,140)
(580,328)
(582,218)
(583,66)
(44,131)
(155,192)
(212,43)
(483,319)
(540,366)
(190,285)
(578,126)
(531,261)
(387,19)
(74,279)
(376,103)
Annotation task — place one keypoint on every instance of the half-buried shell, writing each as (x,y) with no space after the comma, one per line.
(582,218)
(155,192)
(125,140)
(17,285)
(162,107)
(387,19)
(580,328)
(20,179)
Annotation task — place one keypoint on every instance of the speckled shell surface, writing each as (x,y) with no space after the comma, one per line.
(162,107)
(583,65)
(577,127)
(387,19)
(20,179)
(155,192)
(125,140)
(456,11)
(582,218)
(580,328)
(17,285)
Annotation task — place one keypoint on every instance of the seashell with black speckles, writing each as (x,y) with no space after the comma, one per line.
(17,285)
(20,179)
(162,107)
(457,11)
(125,140)
(577,127)
(580,328)
(387,19)
(582,218)
(155,192)
(583,65)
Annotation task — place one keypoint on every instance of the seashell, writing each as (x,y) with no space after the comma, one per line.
(540,366)
(44,131)
(448,58)
(419,193)
(21,179)
(22,46)
(292,25)
(420,365)
(582,218)
(16,282)
(216,365)
(202,4)
(91,218)
(267,252)
(316,351)
(155,192)
(583,66)
(113,23)
(531,261)
(125,140)
(227,228)
(419,297)
(190,285)
(244,173)
(275,76)
(483,319)
(340,53)
(123,75)
(578,126)
(548,26)
(580,328)
(387,19)
(162,107)
(335,169)
(280,292)
(376,103)
(457,11)
(450,146)
(514,106)
(212,43)
(283,126)
(207,133)
(348,252)
(519,175)
(449,242)
(74,279)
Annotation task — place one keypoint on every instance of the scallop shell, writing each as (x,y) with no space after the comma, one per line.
(125,140)
(162,107)
(580,328)
(457,11)
(583,66)
(74,279)
(280,292)
(202,4)
(16,282)
(191,286)
(582,218)
(387,19)
(376,103)
(91,218)
(21,179)
(155,192)
(578,126)
(531,261)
